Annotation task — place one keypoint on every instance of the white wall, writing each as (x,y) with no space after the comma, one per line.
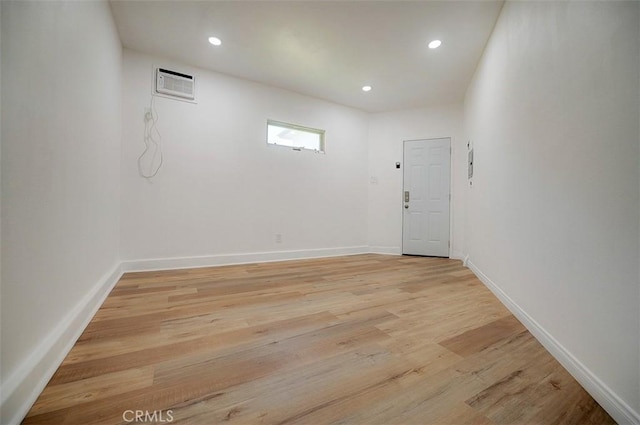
(61,73)
(387,132)
(552,216)
(222,191)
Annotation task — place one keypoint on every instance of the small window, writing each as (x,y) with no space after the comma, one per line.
(295,136)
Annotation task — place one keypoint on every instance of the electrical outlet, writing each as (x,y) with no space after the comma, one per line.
(278,238)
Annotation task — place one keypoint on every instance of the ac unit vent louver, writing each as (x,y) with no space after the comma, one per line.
(175,84)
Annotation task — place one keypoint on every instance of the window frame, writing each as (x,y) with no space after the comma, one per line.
(316,131)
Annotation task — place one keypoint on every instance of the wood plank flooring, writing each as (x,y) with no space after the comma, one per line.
(366,339)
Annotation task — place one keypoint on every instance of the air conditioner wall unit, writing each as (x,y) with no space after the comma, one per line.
(176,84)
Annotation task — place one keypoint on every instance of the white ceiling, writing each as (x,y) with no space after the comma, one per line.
(325,49)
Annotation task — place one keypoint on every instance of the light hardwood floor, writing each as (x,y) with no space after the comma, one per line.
(365,339)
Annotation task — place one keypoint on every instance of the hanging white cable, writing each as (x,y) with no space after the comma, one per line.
(152,142)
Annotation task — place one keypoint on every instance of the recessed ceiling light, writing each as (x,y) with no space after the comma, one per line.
(215,41)
(435,44)
(366,88)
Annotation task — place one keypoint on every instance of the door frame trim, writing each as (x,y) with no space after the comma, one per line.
(450,192)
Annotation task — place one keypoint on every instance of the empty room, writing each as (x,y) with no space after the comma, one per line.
(320,212)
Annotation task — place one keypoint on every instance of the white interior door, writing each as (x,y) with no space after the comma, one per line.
(425,223)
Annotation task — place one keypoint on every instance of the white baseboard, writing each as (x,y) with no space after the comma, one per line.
(21,389)
(231,259)
(385,250)
(619,410)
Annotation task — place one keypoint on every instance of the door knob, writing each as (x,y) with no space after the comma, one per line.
(406,206)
